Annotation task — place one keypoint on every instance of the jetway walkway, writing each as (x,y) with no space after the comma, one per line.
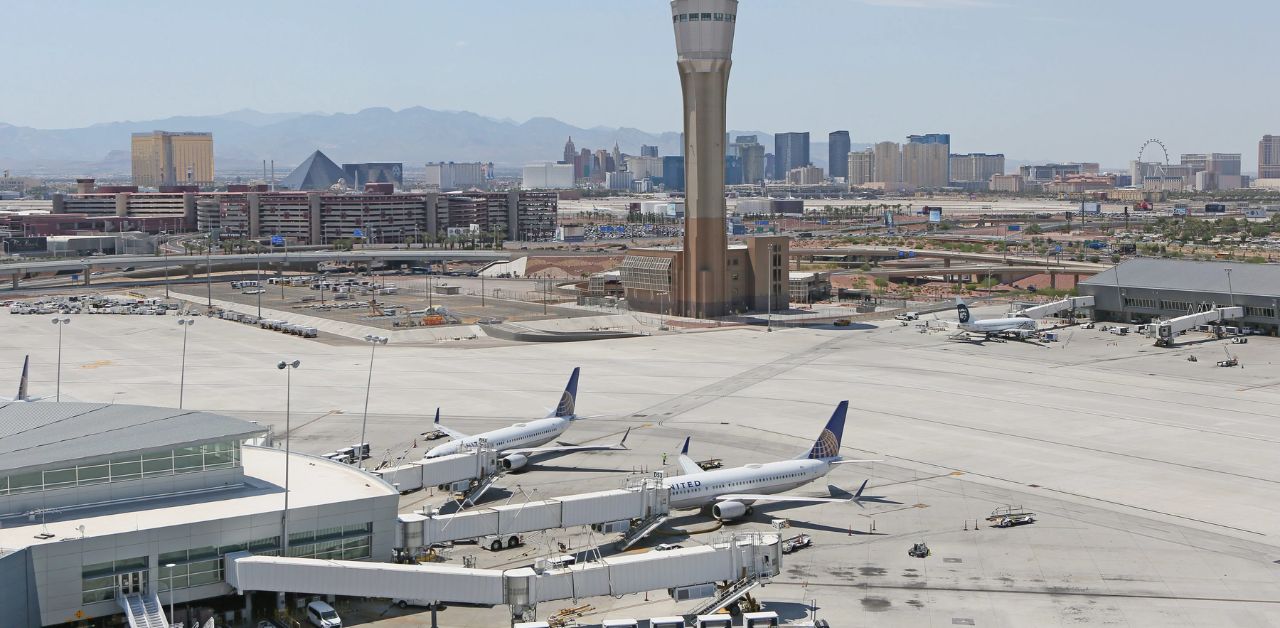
(1069,304)
(644,499)
(1165,331)
(734,558)
(477,466)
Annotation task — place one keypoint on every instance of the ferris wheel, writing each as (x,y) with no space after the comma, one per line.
(1161,166)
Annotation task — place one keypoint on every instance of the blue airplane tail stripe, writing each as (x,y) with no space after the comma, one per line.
(828,443)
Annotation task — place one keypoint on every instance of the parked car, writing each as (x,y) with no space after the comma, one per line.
(321,615)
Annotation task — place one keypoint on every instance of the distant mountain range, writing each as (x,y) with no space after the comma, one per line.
(414,136)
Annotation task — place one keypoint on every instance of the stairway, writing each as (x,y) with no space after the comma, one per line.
(640,530)
(143,610)
(733,594)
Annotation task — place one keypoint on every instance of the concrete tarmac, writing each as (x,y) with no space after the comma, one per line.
(1154,479)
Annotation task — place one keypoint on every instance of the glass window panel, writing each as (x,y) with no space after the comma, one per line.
(202,553)
(197,579)
(263,545)
(187,464)
(89,584)
(157,467)
(131,564)
(157,455)
(173,557)
(4,484)
(96,570)
(706,17)
(125,469)
(188,451)
(96,474)
(59,478)
(26,482)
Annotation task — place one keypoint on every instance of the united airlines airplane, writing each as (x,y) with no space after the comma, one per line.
(731,492)
(22,385)
(521,442)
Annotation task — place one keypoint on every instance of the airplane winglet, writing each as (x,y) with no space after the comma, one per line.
(684,451)
(623,442)
(858,495)
(437,421)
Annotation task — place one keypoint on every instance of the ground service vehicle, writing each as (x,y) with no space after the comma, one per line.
(321,615)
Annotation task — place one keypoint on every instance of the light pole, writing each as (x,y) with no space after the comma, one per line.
(768,320)
(482,289)
(164,241)
(373,341)
(257,260)
(1230,293)
(186,324)
(170,567)
(59,322)
(287,367)
(208,270)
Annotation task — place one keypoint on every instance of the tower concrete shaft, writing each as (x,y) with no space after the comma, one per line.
(704,44)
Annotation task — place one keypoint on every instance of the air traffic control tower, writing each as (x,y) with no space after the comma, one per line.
(704,47)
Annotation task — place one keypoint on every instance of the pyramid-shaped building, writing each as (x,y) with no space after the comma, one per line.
(317,172)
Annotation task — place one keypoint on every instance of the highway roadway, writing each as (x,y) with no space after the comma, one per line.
(299,257)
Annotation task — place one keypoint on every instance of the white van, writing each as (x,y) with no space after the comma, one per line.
(321,615)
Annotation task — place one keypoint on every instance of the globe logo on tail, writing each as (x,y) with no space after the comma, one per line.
(827,446)
(566,404)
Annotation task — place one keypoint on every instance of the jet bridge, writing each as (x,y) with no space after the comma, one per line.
(1165,331)
(644,499)
(1069,304)
(731,559)
(477,466)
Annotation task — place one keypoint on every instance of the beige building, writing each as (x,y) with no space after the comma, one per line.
(1269,157)
(1006,183)
(887,157)
(976,167)
(805,175)
(164,158)
(925,165)
(862,167)
(654,280)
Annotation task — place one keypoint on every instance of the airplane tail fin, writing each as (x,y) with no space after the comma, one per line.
(827,445)
(962,310)
(565,409)
(22,383)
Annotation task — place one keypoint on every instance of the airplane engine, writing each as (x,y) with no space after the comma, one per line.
(515,462)
(725,511)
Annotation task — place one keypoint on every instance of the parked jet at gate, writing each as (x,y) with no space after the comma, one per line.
(1019,327)
(521,442)
(22,385)
(731,492)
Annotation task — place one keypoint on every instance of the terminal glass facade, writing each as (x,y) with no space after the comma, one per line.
(99,581)
(350,542)
(193,459)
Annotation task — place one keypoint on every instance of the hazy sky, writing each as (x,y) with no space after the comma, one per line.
(1086,80)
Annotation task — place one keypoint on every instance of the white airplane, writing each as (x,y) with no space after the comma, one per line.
(22,385)
(521,442)
(731,492)
(1019,327)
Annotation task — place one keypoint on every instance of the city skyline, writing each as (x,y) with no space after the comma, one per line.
(1004,70)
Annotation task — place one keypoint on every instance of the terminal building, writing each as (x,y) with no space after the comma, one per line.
(652,277)
(108,507)
(1144,289)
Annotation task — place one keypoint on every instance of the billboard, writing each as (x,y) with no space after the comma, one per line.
(1015,227)
(1090,208)
(935,214)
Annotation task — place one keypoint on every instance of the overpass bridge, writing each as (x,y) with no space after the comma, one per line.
(893,252)
(86,265)
(978,271)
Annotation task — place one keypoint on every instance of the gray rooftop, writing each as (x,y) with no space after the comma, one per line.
(41,435)
(1192,276)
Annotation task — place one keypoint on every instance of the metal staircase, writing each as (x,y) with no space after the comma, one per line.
(729,595)
(143,610)
(641,530)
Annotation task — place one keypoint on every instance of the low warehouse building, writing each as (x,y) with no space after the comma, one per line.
(1144,289)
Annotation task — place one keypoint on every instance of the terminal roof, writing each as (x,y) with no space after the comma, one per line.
(44,435)
(1192,276)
